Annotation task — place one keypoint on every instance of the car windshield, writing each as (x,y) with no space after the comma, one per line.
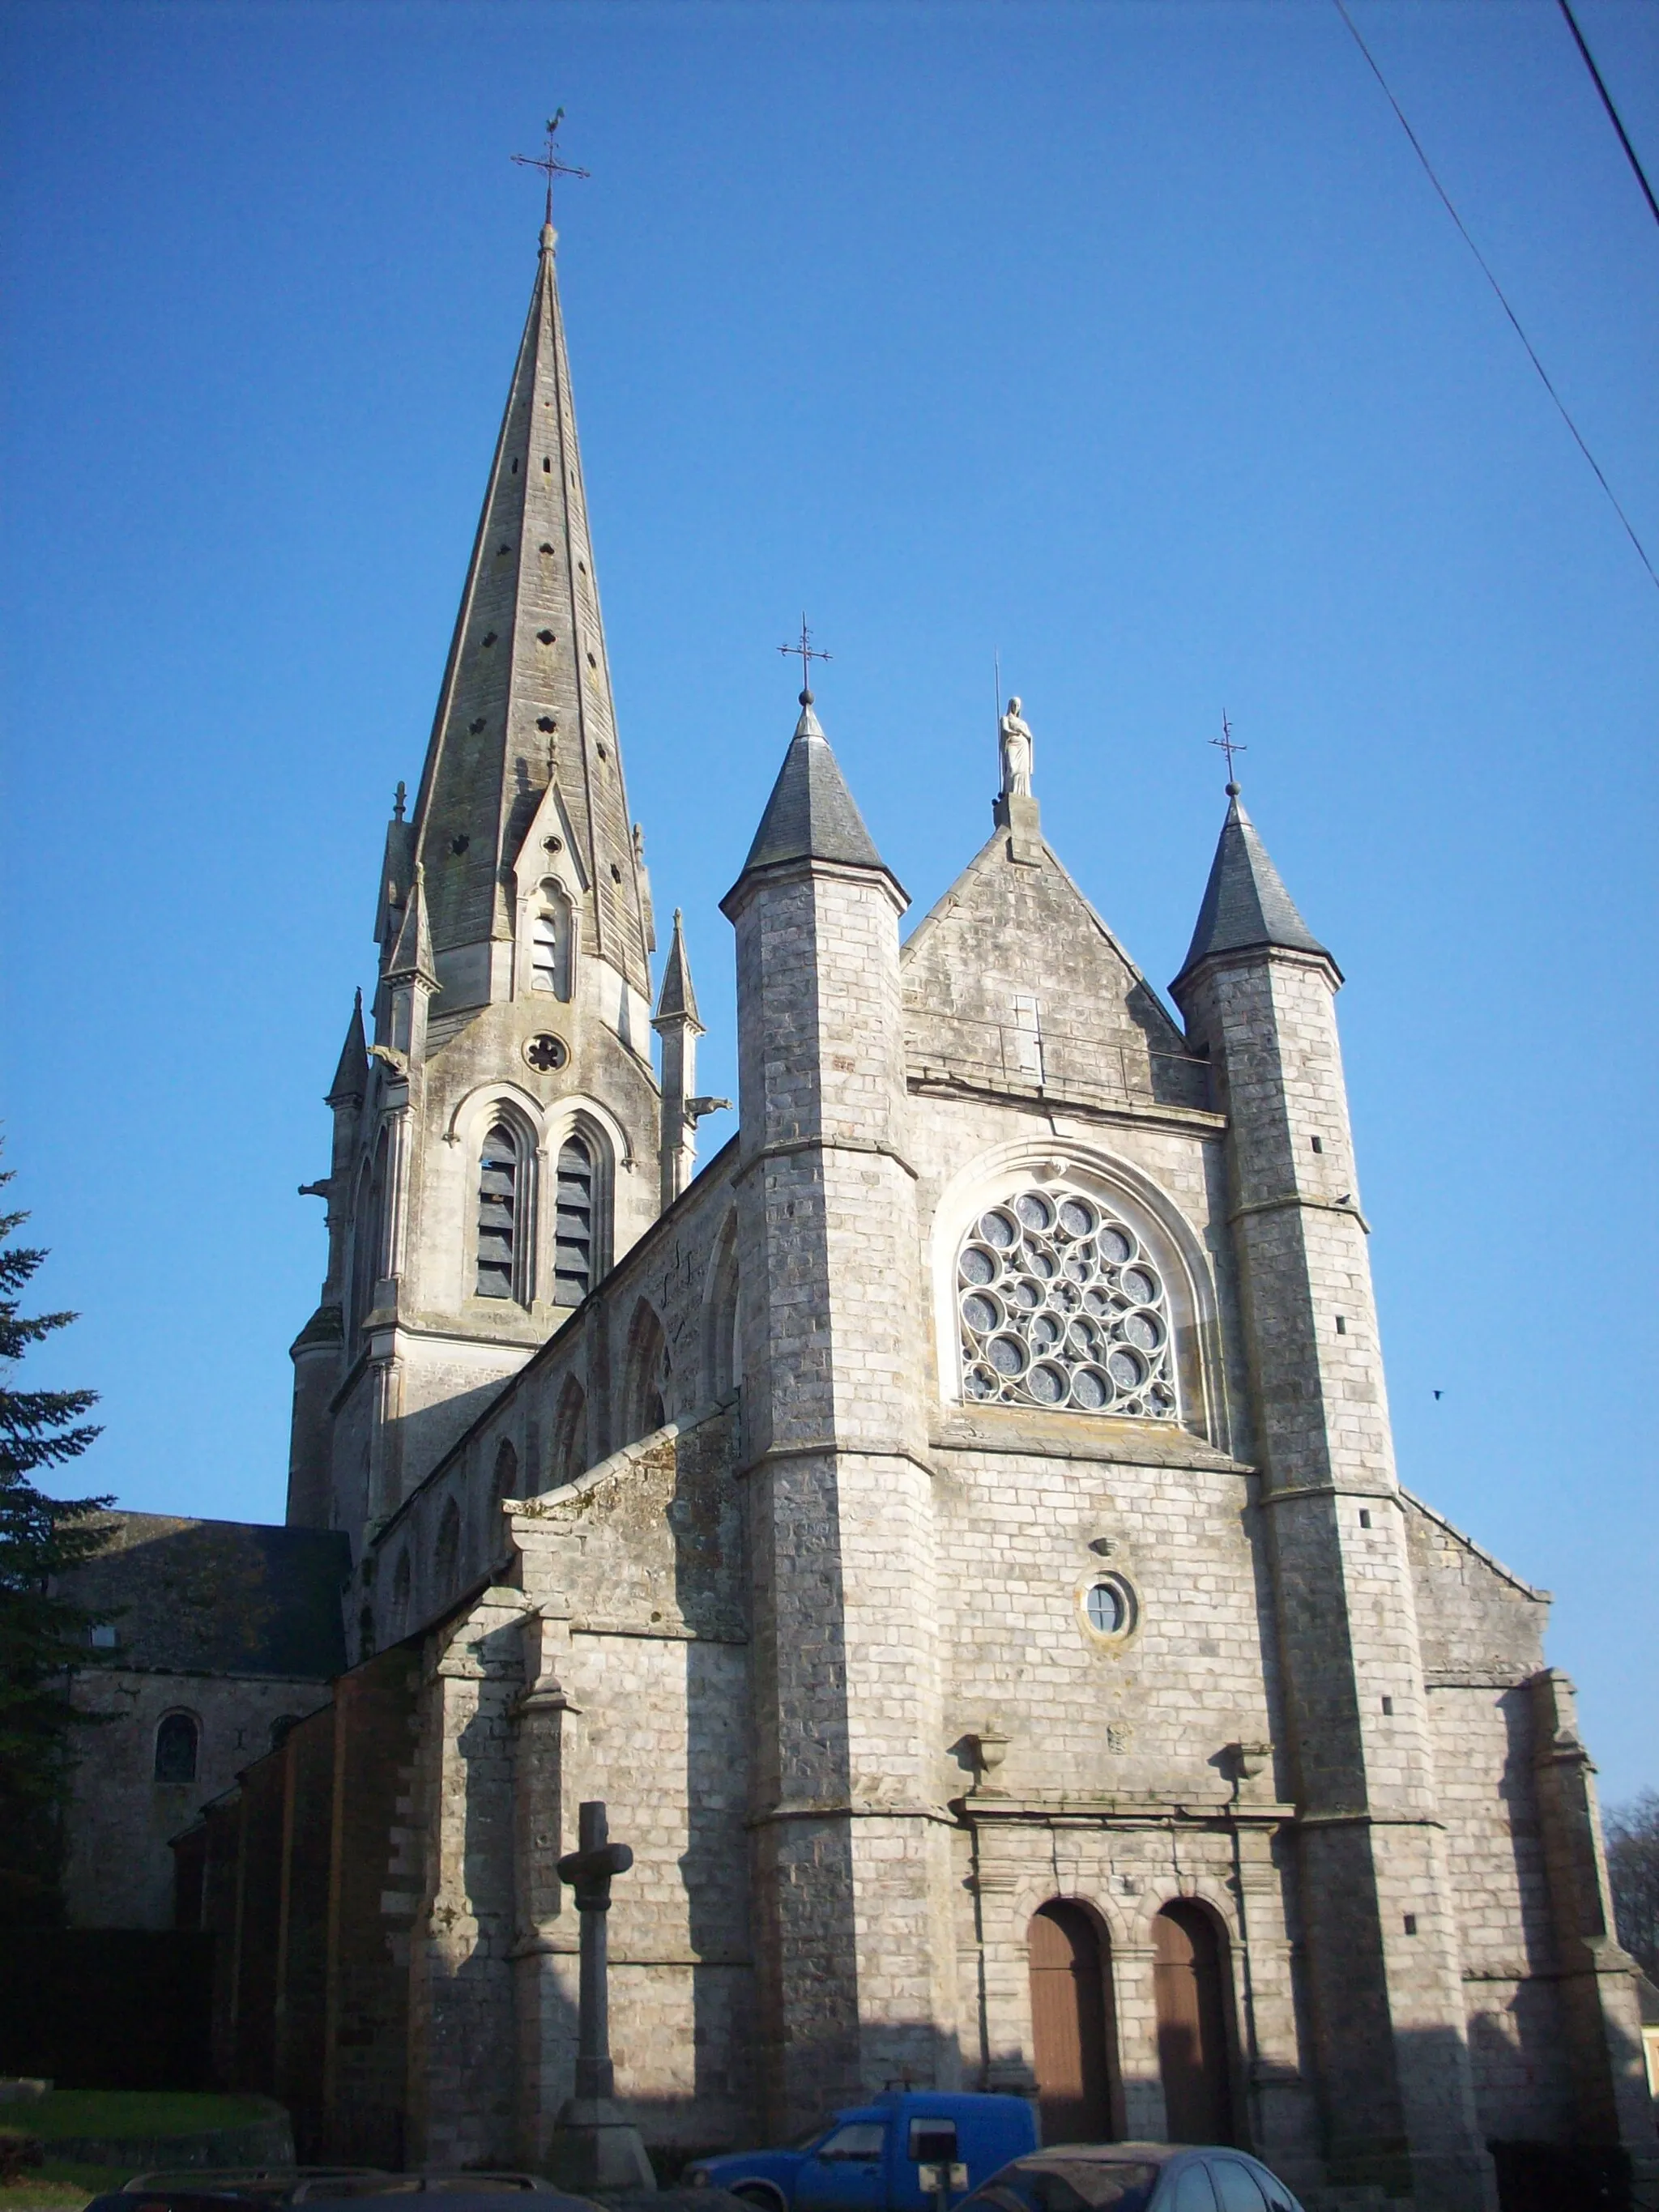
(1068,2184)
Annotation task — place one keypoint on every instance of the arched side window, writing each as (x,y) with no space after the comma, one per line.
(1061,1305)
(402,1590)
(446,1557)
(550,943)
(369,1231)
(570,1434)
(366,1641)
(177,1741)
(573,1228)
(722,1351)
(503,1254)
(645,1385)
(506,1481)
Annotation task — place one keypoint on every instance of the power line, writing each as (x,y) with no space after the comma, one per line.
(1485,270)
(1612,113)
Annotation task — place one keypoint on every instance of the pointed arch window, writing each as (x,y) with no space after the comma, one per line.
(550,944)
(572,1251)
(645,1388)
(446,1556)
(501,1213)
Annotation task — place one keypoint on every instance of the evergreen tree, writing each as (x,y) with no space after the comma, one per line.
(41,1637)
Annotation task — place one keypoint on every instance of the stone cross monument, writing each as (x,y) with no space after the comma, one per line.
(593,2148)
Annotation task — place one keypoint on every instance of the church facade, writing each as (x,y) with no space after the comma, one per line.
(955,1530)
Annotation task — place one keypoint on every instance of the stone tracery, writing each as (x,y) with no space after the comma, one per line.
(1060,1306)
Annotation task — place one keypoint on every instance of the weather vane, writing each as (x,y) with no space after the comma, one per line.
(1227,743)
(808,653)
(549,163)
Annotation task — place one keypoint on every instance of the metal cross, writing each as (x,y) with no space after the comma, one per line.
(808,653)
(550,163)
(1227,745)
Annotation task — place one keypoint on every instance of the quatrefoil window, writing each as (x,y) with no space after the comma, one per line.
(1061,1307)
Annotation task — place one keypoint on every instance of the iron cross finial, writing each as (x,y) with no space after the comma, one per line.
(549,163)
(1227,744)
(808,653)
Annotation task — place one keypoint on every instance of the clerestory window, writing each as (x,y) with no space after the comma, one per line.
(501,1205)
(1060,1306)
(573,1250)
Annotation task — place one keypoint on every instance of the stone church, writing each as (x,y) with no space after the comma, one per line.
(956,1529)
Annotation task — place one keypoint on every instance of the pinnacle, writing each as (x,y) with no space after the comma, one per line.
(677,1001)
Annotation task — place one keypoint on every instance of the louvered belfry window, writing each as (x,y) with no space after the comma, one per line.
(499,1201)
(573,1259)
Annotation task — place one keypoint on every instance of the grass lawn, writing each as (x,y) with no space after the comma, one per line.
(113,2115)
(58,2187)
(129,2115)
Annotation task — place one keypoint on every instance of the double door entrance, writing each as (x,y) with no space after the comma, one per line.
(1075,2030)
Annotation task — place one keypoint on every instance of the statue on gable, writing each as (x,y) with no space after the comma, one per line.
(1015,734)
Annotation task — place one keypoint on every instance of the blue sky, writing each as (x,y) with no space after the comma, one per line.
(1127,340)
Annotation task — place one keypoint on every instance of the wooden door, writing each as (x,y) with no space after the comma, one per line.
(1192,2039)
(1071,1997)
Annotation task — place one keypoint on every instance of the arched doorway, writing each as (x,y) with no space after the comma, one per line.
(1192,2025)
(1071,2025)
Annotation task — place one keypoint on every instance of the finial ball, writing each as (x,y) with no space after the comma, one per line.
(806,699)
(1232,790)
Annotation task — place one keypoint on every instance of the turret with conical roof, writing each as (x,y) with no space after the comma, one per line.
(1258,989)
(831,1308)
(677,1024)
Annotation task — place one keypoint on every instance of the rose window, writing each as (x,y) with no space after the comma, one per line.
(1060,1307)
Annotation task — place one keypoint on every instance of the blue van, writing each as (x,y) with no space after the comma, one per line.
(867,2158)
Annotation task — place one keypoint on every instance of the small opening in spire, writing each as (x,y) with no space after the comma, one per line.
(501,552)
(546,725)
(547,467)
(545,547)
(544,637)
(592,662)
(515,468)
(489,637)
(477,725)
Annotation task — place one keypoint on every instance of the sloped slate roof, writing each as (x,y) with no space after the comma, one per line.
(218,1597)
(1245,901)
(811,815)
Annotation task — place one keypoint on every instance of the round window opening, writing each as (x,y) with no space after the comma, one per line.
(546,1053)
(1107,1613)
(1061,1307)
(1108,1606)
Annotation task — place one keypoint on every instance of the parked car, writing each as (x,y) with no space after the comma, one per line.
(867,2158)
(1133,2177)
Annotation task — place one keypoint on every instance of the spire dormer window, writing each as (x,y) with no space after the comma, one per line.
(550,943)
(501,1196)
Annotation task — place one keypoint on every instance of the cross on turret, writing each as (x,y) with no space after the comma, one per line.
(808,653)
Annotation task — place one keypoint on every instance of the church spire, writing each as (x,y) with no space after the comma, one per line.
(526,698)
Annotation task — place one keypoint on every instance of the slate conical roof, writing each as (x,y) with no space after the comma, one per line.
(1245,902)
(351,1076)
(526,693)
(677,1001)
(811,815)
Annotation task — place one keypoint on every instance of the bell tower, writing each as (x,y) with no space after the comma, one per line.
(498,1129)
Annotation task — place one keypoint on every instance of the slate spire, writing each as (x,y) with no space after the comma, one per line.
(526,693)
(811,815)
(1245,901)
